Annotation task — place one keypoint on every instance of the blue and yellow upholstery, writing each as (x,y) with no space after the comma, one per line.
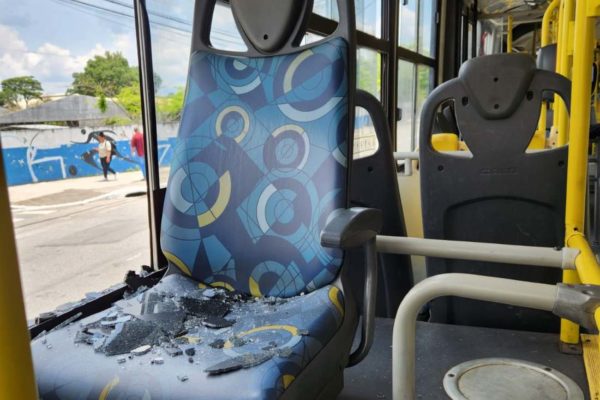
(303,324)
(259,166)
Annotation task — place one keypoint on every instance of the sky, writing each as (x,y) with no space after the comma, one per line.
(52,39)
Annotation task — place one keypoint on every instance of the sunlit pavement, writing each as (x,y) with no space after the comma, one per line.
(77,236)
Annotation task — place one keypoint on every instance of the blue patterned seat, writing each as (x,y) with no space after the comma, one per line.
(303,324)
(259,169)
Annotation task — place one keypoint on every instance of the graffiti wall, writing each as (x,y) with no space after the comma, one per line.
(46,155)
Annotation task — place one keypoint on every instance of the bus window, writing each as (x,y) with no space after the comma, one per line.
(407,37)
(368,66)
(426,43)
(223,32)
(368,16)
(365,138)
(77,232)
(406,105)
(424,85)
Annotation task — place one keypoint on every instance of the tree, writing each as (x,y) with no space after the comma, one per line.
(130,100)
(169,107)
(21,88)
(104,75)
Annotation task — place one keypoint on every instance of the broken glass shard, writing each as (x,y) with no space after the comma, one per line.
(204,308)
(217,344)
(217,322)
(130,335)
(173,351)
(140,351)
(190,352)
(244,361)
(171,323)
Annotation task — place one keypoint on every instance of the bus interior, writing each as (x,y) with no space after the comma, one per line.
(369,199)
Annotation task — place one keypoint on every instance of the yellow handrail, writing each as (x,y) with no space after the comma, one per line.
(16,369)
(588,270)
(545,41)
(563,67)
(509,35)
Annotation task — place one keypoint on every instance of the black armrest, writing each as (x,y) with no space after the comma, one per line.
(352,227)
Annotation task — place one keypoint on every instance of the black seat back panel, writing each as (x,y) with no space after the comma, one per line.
(502,194)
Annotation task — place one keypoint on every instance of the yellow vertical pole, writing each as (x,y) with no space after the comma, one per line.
(578,142)
(559,46)
(16,369)
(509,35)
(564,68)
(545,41)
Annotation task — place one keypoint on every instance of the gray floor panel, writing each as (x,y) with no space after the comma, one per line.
(440,347)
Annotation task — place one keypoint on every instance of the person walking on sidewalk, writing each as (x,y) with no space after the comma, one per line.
(104,151)
(137,150)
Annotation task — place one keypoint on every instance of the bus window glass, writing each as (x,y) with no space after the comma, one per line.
(365,138)
(407,37)
(223,31)
(406,104)
(424,85)
(77,233)
(369,71)
(368,16)
(427,28)
(170,29)
(326,8)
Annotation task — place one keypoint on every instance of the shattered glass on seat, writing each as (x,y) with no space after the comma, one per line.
(177,332)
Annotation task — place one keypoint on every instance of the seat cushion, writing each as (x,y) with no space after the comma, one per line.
(280,335)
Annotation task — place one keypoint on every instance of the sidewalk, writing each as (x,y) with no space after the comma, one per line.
(75,190)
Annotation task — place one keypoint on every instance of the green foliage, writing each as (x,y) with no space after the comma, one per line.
(20,87)
(129,98)
(116,121)
(104,75)
(169,107)
(102,105)
(3,100)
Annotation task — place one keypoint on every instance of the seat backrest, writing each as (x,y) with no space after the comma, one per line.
(375,185)
(501,193)
(261,157)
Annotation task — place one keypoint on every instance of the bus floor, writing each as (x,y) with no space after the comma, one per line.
(440,347)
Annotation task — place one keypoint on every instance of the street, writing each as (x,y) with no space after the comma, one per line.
(76,241)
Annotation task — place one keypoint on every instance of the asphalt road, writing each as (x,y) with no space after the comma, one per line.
(65,252)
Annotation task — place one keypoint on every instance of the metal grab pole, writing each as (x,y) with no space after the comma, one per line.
(506,291)
(16,368)
(474,251)
(509,35)
(583,51)
(545,41)
(563,67)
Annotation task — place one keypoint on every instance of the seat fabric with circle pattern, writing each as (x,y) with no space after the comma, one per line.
(259,166)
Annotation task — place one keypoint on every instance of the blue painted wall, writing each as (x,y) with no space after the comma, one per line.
(77,161)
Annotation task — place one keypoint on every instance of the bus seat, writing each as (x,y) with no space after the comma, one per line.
(252,306)
(501,194)
(378,171)
(546,60)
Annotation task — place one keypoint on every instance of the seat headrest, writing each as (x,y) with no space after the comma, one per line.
(546,58)
(497,84)
(270,24)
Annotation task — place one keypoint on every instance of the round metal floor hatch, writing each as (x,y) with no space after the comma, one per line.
(508,379)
